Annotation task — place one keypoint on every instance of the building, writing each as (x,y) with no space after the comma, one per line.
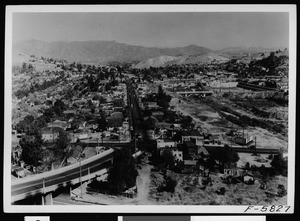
(49,134)
(163,143)
(203,152)
(194,136)
(178,155)
(244,141)
(190,149)
(58,123)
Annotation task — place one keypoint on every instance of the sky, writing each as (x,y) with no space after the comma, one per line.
(215,30)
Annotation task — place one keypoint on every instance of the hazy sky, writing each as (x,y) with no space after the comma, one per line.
(215,30)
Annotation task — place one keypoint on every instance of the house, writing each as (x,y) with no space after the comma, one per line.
(244,141)
(203,152)
(248,178)
(192,135)
(151,105)
(21,172)
(189,148)
(70,113)
(80,102)
(191,163)
(162,143)
(117,109)
(49,134)
(178,155)
(58,123)
(233,172)
(157,113)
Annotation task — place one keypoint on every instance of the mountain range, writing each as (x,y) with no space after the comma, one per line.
(101,51)
(106,51)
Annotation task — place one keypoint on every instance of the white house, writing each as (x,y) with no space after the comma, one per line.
(49,135)
(162,143)
(178,155)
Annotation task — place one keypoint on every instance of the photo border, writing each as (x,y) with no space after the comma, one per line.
(291,9)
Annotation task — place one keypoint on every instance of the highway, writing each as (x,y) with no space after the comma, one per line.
(49,181)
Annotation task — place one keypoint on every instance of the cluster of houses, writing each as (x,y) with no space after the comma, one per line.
(94,109)
(192,145)
(86,110)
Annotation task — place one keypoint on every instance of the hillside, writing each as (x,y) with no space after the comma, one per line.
(155,62)
(244,52)
(100,51)
(186,59)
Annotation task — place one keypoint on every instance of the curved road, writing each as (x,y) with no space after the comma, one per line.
(49,181)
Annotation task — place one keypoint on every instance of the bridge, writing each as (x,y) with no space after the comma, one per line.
(245,149)
(189,93)
(257,150)
(254,87)
(45,183)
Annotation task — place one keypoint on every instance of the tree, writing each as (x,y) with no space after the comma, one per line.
(186,121)
(123,172)
(247,166)
(170,184)
(32,152)
(281,190)
(162,98)
(61,144)
(27,126)
(168,159)
(24,67)
(59,107)
(49,112)
(177,136)
(229,155)
(149,123)
(279,164)
(40,122)
(102,123)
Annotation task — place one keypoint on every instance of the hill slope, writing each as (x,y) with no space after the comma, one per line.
(100,51)
(186,59)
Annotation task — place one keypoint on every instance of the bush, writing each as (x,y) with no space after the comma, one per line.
(170,185)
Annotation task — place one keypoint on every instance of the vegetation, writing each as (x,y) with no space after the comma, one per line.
(123,172)
(162,98)
(32,151)
(279,164)
(61,145)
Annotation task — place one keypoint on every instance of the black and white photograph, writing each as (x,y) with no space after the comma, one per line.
(180,109)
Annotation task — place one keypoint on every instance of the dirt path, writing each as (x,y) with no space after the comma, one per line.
(143,182)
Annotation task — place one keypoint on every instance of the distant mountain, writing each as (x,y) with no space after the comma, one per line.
(247,49)
(242,52)
(193,50)
(100,51)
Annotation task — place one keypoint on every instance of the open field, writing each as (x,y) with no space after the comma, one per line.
(189,192)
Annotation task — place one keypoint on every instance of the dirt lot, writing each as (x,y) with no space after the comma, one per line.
(212,122)
(188,192)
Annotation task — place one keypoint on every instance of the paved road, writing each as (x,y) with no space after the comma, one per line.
(30,186)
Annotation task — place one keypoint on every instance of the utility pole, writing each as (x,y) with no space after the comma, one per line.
(80,175)
(43,202)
